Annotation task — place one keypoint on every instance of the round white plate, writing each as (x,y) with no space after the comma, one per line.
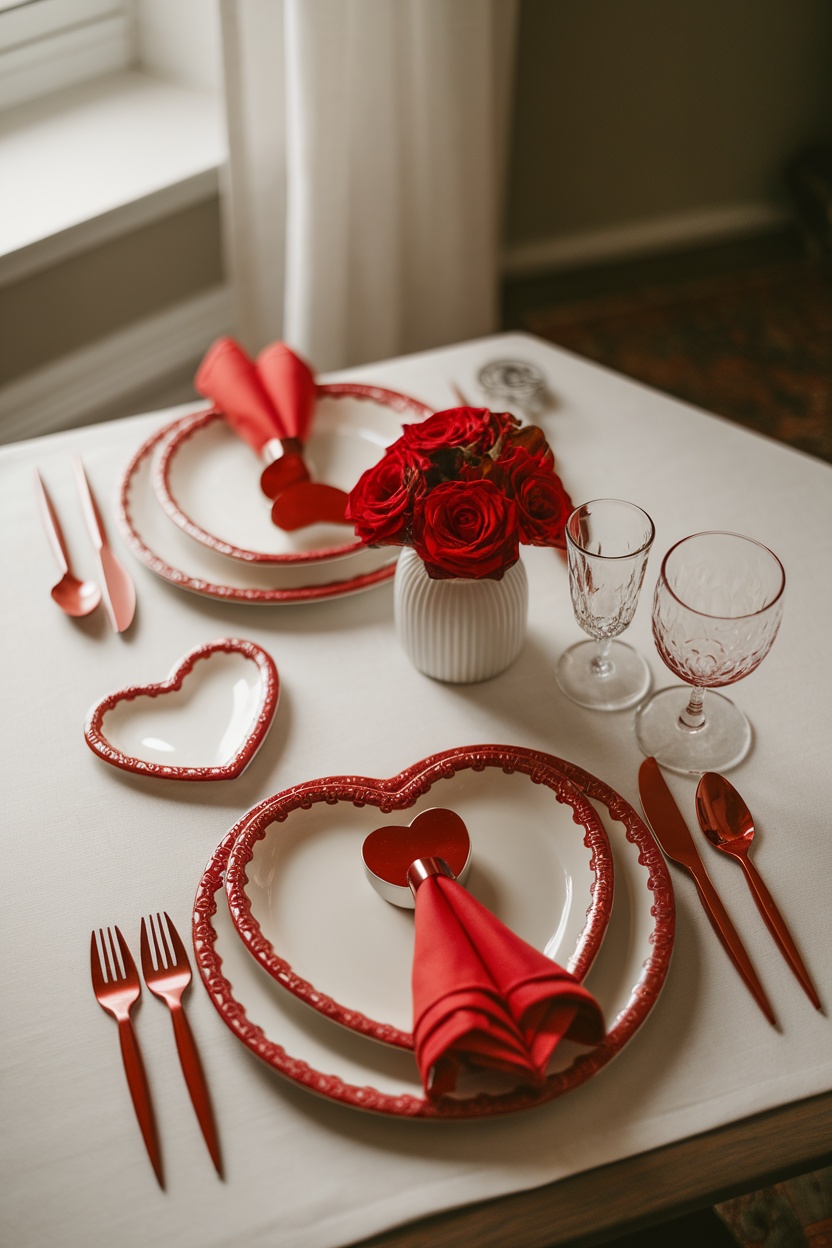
(207,478)
(300,898)
(305,1048)
(172,555)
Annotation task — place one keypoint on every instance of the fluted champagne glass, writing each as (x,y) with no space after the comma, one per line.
(716,611)
(608,542)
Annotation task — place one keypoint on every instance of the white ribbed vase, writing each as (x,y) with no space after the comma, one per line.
(459,630)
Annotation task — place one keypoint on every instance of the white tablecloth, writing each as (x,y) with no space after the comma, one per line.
(85,845)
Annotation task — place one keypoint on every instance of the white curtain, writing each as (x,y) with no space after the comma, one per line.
(367,170)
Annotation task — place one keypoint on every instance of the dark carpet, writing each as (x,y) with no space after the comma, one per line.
(754,345)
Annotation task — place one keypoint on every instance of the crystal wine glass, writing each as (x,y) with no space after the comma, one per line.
(607,542)
(716,612)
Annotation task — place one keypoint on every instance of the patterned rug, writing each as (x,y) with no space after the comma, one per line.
(755,347)
(794,1214)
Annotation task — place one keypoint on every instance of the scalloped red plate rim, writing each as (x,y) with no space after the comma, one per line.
(212,589)
(396,401)
(230,593)
(98,742)
(346,789)
(419,778)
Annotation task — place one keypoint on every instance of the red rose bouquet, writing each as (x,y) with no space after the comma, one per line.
(465,488)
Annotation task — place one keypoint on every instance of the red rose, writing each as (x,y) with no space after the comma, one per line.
(466,529)
(508,426)
(380,503)
(531,439)
(543,506)
(458,426)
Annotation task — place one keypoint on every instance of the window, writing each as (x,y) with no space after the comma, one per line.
(47,45)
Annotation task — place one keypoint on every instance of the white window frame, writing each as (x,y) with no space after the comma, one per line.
(127,147)
(48,45)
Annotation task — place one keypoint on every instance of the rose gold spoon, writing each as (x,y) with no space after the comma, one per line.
(726,821)
(76,598)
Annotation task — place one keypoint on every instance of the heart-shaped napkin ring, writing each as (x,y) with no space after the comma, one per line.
(436,841)
(205,721)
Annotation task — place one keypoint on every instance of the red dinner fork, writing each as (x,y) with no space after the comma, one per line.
(167,973)
(117,987)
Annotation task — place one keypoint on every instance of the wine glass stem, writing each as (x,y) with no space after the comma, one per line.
(693,716)
(602,664)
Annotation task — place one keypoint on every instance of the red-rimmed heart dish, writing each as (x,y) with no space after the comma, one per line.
(309,1047)
(205,721)
(540,860)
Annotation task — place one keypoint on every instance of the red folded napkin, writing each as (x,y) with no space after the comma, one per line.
(272,398)
(483,997)
(231,381)
(290,384)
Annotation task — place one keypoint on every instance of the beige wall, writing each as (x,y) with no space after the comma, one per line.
(634,109)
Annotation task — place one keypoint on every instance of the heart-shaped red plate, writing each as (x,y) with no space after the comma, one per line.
(541,860)
(310,1052)
(205,721)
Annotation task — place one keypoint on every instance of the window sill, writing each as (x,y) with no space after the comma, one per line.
(96,161)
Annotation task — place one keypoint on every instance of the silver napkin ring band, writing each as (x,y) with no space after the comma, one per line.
(422,868)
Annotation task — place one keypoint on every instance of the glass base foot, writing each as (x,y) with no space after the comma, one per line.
(722,742)
(624,684)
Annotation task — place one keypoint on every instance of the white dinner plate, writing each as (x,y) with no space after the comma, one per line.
(309,1050)
(301,901)
(172,555)
(207,479)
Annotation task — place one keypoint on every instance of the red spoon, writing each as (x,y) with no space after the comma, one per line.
(727,823)
(73,596)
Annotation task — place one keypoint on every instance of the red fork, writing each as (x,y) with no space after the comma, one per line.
(167,973)
(117,987)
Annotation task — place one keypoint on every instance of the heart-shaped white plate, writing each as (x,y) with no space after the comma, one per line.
(546,873)
(206,721)
(304,1047)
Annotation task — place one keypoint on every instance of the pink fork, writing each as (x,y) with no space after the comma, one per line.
(116,990)
(167,973)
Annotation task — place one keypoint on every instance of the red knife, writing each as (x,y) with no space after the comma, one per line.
(674,836)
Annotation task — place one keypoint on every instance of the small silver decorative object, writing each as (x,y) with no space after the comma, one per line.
(514,382)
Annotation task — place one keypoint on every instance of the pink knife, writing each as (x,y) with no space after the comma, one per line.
(120,596)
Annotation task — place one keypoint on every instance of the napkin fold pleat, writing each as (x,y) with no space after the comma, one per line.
(483,998)
(290,384)
(229,378)
(272,397)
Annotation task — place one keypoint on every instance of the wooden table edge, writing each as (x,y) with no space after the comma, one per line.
(638,1191)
